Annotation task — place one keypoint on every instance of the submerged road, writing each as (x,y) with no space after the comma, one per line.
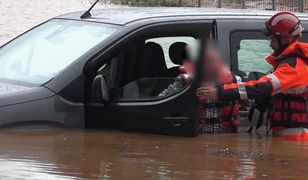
(76,154)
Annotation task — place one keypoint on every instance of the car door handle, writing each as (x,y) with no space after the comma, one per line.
(172,118)
(176,121)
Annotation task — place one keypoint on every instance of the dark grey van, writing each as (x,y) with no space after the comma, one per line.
(105,71)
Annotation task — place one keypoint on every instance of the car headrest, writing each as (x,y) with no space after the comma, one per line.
(178,53)
(154,60)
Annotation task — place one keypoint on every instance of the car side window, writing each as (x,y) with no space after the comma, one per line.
(248,52)
(145,69)
(252,54)
(304,38)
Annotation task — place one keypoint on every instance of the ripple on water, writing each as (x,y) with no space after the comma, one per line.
(240,155)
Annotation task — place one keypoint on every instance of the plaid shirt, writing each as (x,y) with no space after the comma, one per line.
(218,117)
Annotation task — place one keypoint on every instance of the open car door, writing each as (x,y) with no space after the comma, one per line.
(126,81)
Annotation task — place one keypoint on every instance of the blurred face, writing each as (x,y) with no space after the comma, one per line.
(212,63)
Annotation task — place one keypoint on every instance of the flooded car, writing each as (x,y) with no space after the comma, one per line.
(106,69)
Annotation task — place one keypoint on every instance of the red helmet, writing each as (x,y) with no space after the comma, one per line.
(284,25)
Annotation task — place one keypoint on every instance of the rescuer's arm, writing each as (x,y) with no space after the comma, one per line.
(261,88)
(285,77)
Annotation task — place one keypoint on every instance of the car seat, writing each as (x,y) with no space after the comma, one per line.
(153,63)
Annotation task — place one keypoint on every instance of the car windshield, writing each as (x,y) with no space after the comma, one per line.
(39,55)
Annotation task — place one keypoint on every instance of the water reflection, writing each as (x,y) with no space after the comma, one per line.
(74,154)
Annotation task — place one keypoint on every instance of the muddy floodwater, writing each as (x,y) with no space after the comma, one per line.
(76,154)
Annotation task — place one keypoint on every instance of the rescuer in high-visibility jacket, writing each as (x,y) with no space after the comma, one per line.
(287,84)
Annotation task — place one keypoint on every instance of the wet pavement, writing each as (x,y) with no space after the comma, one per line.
(76,154)
(17,16)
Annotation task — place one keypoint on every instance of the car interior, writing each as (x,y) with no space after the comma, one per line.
(178,52)
(139,71)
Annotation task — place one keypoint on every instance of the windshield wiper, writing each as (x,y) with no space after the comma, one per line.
(87,14)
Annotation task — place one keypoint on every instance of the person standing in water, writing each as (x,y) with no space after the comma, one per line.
(217,117)
(214,117)
(287,84)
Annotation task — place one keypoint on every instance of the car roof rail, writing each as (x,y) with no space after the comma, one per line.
(87,14)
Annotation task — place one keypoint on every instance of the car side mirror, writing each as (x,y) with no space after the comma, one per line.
(99,89)
(255,75)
